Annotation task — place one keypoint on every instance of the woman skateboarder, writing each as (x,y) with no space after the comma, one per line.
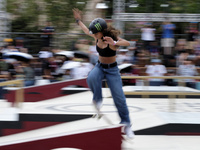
(107,41)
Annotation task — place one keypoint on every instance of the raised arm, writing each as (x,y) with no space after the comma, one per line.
(77,16)
(120,42)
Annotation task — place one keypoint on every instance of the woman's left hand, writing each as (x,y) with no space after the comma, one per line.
(108,40)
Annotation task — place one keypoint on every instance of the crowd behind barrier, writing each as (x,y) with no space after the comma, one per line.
(146,55)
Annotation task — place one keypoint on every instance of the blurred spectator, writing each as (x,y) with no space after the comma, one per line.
(156,69)
(192,34)
(181,51)
(23,50)
(36,64)
(28,72)
(148,35)
(169,61)
(9,48)
(59,72)
(3,65)
(122,57)
(47,35)
(19,42)
(76,69)
(187,54)
(181,57)
(196,47)
(44,54)
(167,41)
(154,50)
(197,52)
(2,91)
(8,41)
(170,82)
(181,46)
(50,69)
(67,75)
(188,69)
(3,75)
(53,67)
(136,52)
(12,63)
(142,57)
(130,70)
(69,67)
(131,51)
(82,71)
(83,45)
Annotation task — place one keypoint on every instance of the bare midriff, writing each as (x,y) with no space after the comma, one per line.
(107,60)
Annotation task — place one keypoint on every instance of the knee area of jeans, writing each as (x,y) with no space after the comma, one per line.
(91,78)
(121,103)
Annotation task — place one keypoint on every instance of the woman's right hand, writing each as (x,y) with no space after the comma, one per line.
(77,13)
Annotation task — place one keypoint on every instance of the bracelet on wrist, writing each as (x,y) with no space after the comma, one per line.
(77,21)
(115,42)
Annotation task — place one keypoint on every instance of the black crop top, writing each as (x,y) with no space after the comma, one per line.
(106,52)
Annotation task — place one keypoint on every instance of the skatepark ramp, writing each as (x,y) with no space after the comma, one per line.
(77,134)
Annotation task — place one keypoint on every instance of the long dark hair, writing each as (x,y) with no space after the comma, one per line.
(111,32)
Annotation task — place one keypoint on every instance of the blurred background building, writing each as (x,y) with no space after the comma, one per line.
(4,22)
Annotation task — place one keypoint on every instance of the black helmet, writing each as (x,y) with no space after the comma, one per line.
(97,25)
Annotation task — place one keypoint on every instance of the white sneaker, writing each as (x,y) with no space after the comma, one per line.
(128,131)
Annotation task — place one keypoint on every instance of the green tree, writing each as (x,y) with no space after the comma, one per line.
(26,13)
(60,12)
(26,17)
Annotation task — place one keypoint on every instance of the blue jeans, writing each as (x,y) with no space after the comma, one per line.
(114,82)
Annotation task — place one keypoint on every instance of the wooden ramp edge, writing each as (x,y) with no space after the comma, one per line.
(87,134)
